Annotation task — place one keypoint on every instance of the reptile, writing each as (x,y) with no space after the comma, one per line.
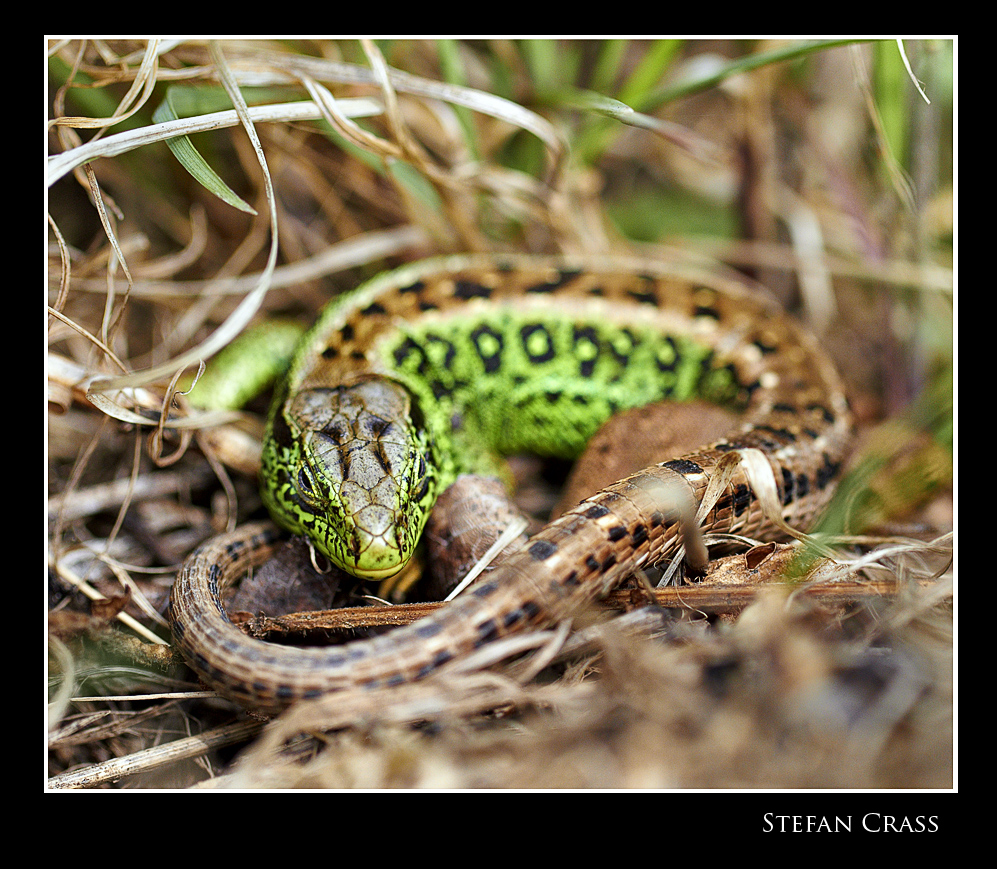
(432,370)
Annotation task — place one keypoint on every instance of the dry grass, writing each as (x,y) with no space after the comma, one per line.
(824,175)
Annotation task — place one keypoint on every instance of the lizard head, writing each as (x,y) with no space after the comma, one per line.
(350,468)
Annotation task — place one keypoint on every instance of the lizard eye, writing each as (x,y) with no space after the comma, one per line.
(306,485)
(422,476)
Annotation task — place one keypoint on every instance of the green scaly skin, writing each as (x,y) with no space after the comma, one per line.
(387,400)
(247,366)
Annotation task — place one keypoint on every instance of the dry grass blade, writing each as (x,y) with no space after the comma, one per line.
(122,143)
(156,758)
(479,101)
